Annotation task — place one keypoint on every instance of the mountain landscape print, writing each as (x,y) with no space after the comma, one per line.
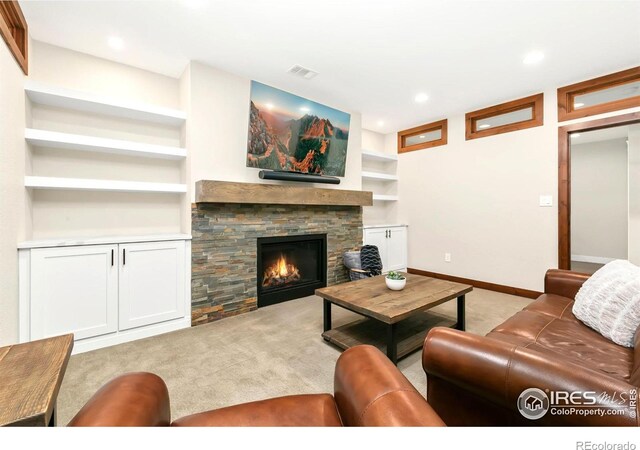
(290,133)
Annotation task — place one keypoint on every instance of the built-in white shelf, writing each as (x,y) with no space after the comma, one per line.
(76,241)
(379,176)
(84,184)
(385,198)
(54,139)
(377,156)
(97,104)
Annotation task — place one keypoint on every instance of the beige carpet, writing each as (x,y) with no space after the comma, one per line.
(273,351)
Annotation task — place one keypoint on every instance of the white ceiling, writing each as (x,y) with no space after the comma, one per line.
(373,56)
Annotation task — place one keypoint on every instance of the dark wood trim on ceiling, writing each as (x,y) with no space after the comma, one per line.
(15,32)
(567,94)
(564,177)
(535,102)
(479,284)
(441,125)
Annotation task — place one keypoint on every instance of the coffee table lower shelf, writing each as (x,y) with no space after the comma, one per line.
(410,332)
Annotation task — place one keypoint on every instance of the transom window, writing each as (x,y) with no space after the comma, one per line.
(506,117)
(425,136)
(13,29)
(620,90)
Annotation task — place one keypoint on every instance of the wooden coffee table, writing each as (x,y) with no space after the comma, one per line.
(395,321)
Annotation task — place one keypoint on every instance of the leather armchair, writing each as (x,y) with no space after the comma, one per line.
(476,380)
(368,391)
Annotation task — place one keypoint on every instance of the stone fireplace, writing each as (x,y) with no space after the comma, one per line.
(226,236)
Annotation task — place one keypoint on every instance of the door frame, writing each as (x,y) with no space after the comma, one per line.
(564,176)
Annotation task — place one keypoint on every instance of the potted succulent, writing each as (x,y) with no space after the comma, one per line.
(395,281)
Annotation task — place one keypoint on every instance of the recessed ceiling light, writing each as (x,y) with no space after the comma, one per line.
(578,105)
(421,98)
(533,57)
(304,109)
(269,105)
(115,42)
(380,123)
(575,135)
(483,126)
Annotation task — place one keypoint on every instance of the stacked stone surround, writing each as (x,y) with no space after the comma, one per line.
(224,249)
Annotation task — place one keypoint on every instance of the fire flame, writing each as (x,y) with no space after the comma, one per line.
(282,267)
(280,273)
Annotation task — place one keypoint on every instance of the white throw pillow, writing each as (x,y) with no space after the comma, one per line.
(609,302)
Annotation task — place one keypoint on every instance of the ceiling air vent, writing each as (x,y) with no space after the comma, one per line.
(302,72)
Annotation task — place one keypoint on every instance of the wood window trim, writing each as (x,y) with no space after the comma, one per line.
(15,32)
(567,94)
(535,102)
(441,125)
(564,177)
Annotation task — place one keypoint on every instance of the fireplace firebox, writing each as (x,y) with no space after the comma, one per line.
(290,267)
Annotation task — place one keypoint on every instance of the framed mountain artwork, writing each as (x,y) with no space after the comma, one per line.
(290,133)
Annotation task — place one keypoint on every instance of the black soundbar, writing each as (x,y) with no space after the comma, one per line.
(296,176)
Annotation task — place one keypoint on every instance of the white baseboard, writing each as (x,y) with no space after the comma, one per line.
(592,259)
(120,337)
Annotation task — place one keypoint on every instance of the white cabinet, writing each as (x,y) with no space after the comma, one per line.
(74,290)
(152,277)
(397,248)
(392,244)
(105,293)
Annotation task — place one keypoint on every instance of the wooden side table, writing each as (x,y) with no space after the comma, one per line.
(31,375)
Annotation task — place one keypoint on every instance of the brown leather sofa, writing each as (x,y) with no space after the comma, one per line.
(368,391)
(476,380)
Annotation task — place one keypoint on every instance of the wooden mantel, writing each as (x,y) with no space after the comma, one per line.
(210,191)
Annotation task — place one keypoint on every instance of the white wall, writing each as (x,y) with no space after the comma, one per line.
(12,197)
(634,194)
(478,200)
(217,129)
(599,199)
(74,70)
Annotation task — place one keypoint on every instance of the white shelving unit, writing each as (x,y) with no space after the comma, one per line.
(126,286)
(96,104)
(385,198)
(52,139)
(84,184)
(376,156)
(379,176)
(382,175)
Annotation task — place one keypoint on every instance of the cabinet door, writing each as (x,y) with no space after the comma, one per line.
(74,290)
(152,277)
(378,237)
(397,249)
